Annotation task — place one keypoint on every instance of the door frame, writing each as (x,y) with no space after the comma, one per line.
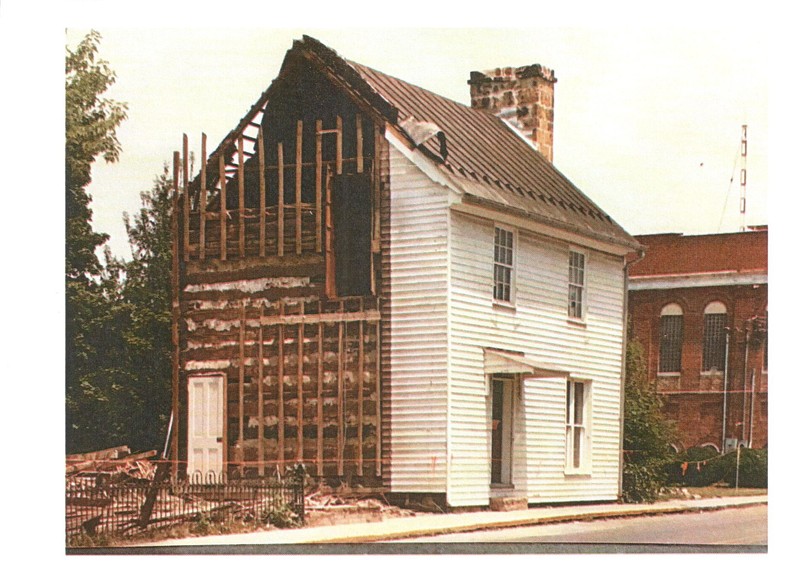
(189,379)
(510,384)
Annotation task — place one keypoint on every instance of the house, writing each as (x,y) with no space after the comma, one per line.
(698,305)
(399,291)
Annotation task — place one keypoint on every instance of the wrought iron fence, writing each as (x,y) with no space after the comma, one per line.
(95,506)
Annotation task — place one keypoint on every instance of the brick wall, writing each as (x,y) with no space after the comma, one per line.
(693,398)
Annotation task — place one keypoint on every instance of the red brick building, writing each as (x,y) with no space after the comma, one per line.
(698,305)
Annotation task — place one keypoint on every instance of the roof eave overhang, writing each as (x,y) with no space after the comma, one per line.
(697,280)
(496,361)
(480,207)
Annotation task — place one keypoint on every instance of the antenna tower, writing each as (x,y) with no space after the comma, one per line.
(743,179)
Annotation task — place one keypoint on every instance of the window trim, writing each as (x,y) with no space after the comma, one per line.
(585,466)
(512,293)
(584,304)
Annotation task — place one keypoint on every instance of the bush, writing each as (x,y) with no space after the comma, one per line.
(641,482)
(752,468)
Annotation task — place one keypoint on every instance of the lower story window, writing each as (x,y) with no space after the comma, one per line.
(576,433)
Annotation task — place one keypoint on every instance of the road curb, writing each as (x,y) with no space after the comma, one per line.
(533,521)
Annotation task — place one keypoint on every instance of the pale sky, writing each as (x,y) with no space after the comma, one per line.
(648,121)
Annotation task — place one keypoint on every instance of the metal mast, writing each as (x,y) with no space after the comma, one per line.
(743,179)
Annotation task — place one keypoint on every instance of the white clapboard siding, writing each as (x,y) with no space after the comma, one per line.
(418,319)
(537,326)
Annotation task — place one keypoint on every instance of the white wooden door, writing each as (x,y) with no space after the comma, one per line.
(206,395)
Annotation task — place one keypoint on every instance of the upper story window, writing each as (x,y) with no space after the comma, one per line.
(671,338)
(577,280)
(503,264)
(715,323)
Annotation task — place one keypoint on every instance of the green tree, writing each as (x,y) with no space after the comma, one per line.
(647,434)
(146,294)
(90,132)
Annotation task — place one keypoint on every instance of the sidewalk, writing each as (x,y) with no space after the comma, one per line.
(428,525)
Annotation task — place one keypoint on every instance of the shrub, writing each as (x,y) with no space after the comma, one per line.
(721,469)
(641,482)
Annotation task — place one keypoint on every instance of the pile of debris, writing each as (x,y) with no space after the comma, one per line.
(116,464)
(343,505)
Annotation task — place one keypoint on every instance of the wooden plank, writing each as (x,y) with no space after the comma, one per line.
(223,211)
(340,431)
(298,187)
(360,381)
(175,314)
(300,342)
(281,421)
(242,324)
(186,206)
(359,145)
(261,396)
(280,199)
(318,185)
(262,198)
(320,425)
(338,145)
(203,197)
(240,175)
(370,315)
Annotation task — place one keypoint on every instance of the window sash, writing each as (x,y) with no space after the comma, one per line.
(575,424)
(503,264)
(577,277)
(670,349)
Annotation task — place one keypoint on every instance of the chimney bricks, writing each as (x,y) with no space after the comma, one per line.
(523,96)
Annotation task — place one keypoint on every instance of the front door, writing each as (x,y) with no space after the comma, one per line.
(502,397)
(205,449)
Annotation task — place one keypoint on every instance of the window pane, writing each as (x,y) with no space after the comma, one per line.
(578,417)
(577,443)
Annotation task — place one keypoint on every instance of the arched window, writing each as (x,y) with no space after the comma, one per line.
(715,322)
(671,342)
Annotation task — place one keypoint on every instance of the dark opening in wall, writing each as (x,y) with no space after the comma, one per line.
(352,228)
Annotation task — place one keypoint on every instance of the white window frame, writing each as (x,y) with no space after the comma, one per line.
(670,310)
(714,308)
(581,317)
(583,426)
(510,267)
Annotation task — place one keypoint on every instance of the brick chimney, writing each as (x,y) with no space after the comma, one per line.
(523,96)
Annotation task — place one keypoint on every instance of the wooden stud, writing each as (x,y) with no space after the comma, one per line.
(262,198)
(203,197)
(340,431)
(186,206)
(330,260)
(175,315)
(360,462)
(379,406)
(318,184)
(301,336)
(223,211)
(261,396)
(281,421)
(280,199)
(320,422)
(242,323)
(338,145)
(298,187)
(240,173)
(359,145)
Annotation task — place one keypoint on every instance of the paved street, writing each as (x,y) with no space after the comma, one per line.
(742,526)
